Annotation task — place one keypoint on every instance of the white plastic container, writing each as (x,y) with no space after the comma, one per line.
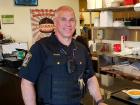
(107,3)
(91,4)
(106,19)
(106,80)
(98,3)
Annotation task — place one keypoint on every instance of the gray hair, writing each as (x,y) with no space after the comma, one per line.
(63,8)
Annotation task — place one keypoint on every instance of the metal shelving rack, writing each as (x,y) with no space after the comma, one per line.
(131,37)
(114,9)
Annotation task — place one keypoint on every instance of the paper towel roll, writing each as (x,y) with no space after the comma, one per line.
(106,19)
(91,4)
(98,3)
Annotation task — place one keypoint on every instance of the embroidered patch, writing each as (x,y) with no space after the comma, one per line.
(27,59)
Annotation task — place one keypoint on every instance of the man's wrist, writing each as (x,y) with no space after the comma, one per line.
(99,101)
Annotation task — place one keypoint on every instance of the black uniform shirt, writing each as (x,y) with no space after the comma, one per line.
(32,63)
(35,59)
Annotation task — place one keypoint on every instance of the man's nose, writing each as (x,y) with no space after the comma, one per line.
(68,23)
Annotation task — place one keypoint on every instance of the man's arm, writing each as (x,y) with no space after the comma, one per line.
(94,89)
(28,92)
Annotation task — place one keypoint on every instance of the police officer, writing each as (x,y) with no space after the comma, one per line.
(57,68)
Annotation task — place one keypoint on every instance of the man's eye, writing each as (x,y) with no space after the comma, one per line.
(72,20)
(63,19)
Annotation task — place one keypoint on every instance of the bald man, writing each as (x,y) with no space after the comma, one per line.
(57,68)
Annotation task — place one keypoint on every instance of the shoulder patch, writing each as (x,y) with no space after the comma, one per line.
(27,59)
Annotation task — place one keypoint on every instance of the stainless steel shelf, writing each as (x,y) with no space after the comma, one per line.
(126,56)
(115,9)
(114,33)
(125,27)
(108,27)
(133,27)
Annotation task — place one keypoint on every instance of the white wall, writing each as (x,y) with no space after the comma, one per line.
(21,29)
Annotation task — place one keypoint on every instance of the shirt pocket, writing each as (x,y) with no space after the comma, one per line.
(81,65)
(59,60)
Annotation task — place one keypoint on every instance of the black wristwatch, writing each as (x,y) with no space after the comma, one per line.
(99,101)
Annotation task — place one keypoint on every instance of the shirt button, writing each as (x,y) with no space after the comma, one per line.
(80,62)
(58,62)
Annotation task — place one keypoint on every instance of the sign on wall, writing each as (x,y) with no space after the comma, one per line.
(7,19)
(42,23)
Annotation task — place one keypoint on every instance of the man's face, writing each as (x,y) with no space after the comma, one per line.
(65,24)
